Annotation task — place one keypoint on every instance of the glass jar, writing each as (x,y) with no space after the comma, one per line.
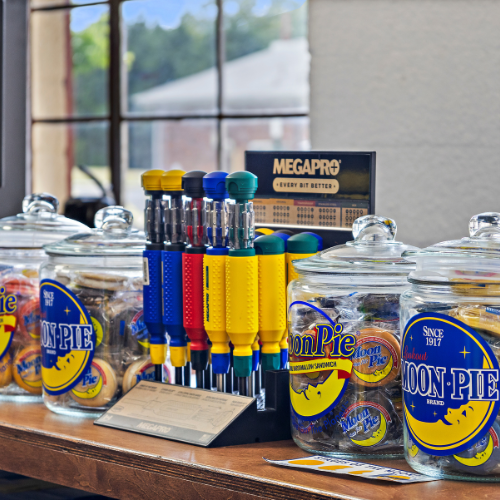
(21,254)
(343,324)
(95,344)
(450,323)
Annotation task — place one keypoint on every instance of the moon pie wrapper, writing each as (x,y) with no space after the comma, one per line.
(27,369)
(142,369)
(98,386)
(369,421)
(6,370)
(29,319)
(482,457)
(376,359)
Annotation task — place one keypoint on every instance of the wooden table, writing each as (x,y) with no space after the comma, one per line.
(74,452)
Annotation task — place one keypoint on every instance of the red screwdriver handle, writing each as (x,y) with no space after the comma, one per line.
(193,293)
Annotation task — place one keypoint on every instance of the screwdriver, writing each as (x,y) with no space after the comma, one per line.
(171,183)
(242,295)
(299,246)
(154,214)
(318,237)
(272,299)
(254,382)
(263,231)
(284,235)
(214,276)
(192,272)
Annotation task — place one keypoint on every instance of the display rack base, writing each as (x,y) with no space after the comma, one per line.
(202,417)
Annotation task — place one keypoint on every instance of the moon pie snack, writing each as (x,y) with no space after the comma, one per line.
(142,369)
(27,369)
(21,255)
(344,351)
(376,359)
(98,385)
(6,370)
(91,303)
(450,351)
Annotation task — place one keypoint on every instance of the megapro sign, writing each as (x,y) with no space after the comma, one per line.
(315,189)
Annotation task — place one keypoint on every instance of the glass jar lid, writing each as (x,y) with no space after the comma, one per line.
(114,236)
(474,258)
(373,251)
(38,224)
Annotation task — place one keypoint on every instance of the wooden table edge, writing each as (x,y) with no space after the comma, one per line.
(207,475)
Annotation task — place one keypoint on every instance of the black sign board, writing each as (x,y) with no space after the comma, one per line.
(316,190)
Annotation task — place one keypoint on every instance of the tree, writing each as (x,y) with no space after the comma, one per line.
(156,55)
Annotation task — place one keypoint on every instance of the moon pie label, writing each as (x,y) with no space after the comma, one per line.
(8,319)
(450,384)
(365,423)
(322,357)
(91,384)
(139,330)
(68,338)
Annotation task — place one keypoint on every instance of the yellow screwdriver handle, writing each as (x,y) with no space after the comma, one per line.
(242,303)
(272,302)
(214,304)
(292,275)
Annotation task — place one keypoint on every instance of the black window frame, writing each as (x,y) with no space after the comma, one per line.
(116,117)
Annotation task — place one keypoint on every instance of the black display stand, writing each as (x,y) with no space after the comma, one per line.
(261,426)
(201,417)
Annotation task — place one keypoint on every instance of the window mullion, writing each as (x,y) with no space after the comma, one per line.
(115,100)
(220,56)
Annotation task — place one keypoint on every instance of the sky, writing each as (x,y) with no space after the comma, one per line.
(166,13)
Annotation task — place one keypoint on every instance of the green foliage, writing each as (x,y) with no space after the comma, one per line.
(161,55)
(90,51)
(247,33)
(156,55)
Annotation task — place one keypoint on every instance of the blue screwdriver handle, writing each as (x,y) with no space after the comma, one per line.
(152,296)
(172,296)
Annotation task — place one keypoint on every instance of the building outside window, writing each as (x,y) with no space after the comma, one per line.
(122,86)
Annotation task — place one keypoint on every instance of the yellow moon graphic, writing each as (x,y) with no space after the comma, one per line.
(463,424)
(376,376)
(413,451)
(90,393)
(36,383)
(144,344)
(479,458)
(315,399)
(377,436)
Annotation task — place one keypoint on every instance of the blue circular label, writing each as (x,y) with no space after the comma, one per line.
(67,338)
(450,384)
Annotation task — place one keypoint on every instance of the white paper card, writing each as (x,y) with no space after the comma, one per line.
(354,469)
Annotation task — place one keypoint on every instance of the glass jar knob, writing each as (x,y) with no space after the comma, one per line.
(485,225)
(114,219)
(374,228)
(40,202)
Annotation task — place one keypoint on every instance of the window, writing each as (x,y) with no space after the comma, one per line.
(122,86)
